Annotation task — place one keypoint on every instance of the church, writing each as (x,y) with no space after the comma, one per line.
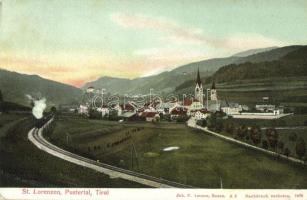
(211,103)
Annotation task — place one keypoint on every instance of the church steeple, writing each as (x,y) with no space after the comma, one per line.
(199,89)
(198,81)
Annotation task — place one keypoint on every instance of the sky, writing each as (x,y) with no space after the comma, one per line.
(76,41)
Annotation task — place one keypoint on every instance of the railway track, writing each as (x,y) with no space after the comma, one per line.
(36,137)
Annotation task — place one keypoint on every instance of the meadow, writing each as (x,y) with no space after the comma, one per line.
(202,160)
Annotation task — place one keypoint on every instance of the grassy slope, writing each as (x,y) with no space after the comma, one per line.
(202,159)
(22,164)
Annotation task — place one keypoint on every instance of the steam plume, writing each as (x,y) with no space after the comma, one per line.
(39,105)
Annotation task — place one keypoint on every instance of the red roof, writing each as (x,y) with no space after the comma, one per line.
(204,111)
(127,107)
(179,111)
(148,114)
(187,102)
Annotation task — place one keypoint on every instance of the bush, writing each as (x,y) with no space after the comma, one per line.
(201,122)
(265,144)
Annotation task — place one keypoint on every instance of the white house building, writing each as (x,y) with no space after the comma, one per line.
(201,114)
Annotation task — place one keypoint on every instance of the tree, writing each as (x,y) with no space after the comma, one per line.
(255,135)
(265,144)
(211,123)
(242,132)
(272,136)
(53,109)
(219,125)
(229,128)
(300,148)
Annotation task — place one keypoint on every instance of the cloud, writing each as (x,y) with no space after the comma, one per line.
(249,41)
(159,59)
(172,30)
(179,34)
(168,53)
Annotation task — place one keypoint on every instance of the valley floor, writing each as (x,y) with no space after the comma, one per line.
(201,160)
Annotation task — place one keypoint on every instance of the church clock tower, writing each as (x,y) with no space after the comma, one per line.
(199,89)
(213,95)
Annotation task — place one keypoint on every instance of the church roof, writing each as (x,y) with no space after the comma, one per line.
(198,81)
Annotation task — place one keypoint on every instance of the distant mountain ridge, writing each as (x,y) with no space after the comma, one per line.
(169,81)
(253,51)
(291,62)
(15,86)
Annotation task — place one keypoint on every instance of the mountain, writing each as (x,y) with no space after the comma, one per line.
(283,80)
(16,86)
(271,55)
(292,64)
(183,76)
(253,51)
(164,82)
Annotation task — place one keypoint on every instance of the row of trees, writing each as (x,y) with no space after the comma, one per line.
(268,140)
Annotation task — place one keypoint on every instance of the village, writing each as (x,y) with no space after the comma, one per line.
(153,108)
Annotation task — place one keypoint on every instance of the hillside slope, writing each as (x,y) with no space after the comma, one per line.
(15,86)
(292,64)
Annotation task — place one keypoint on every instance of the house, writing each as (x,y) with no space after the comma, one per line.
(103,110)
(265,107)
(150,116)
(166,106)
(231,110)
(83,110)
(128,107)
(213,105)
(196,105)
(178,112)
(201,114)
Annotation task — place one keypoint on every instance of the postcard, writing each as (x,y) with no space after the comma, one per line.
(142,99)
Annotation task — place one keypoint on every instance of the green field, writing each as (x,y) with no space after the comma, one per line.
(24,165)
(8,121)
(202,160)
